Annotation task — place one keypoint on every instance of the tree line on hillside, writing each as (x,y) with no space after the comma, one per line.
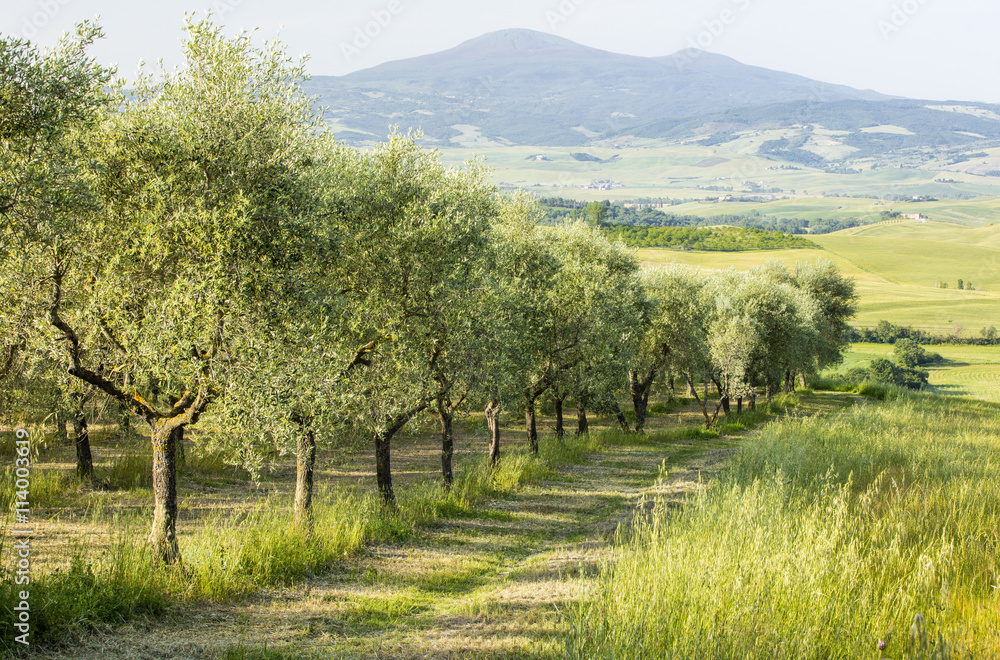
(558,210)
(198,252)
(886,332)
(709,239)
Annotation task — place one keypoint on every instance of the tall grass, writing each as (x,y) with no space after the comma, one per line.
(825,537)
(132,468)
(115,585)
(235,555)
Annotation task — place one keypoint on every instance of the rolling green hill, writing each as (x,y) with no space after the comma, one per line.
(896,267)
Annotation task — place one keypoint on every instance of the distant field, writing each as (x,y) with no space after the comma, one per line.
(897,264)
(677,171)
(896,267)
(971,371)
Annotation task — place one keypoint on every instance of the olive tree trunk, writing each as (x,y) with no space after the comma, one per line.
(447,444)
(305,464)
(530,424)
(582,426)
(640,389)
(493,422)
(84,458)
(383,454)
(619,415)
(560,429)
(163,535)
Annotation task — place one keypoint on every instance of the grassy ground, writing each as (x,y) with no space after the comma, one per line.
(480,579)
(969,371)
(872,534)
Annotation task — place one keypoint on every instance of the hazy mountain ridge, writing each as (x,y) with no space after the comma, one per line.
(525,87)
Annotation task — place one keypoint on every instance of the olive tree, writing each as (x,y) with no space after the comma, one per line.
(586,323)
(414,234)
(522,273)
(599,283)
(50,100)
(837,298)
(675,333)
(199,178)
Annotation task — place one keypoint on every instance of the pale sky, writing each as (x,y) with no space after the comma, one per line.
(932,49)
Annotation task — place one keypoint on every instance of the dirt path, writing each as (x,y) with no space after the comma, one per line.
(484,587)
(488,586)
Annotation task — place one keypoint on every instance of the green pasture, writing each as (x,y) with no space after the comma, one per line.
(970,371)
(656,170)
(900,269)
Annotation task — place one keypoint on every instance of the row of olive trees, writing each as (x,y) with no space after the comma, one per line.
(740,330)
(198,251)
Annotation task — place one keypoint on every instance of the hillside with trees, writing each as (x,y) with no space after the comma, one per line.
(640,214)
(195,268)
(708,239)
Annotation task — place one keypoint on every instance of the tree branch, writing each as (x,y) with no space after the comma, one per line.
(133,401)
(361,357)
(106,331)
(9,362)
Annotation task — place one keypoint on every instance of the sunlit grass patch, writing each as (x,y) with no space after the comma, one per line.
(243,652)
(824,537)
(111,587)
(132,468)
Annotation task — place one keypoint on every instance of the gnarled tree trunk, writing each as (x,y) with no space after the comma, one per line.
(640,389)
(84,458)
(493,422)
(619,415)
(703,404)
(305,464)
(723,396)
(163,535)
(530,424)
(447,443)
(560,430)
(383,468)
(582,426)
(383,451)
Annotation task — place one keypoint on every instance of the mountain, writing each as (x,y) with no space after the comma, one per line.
(526,87)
